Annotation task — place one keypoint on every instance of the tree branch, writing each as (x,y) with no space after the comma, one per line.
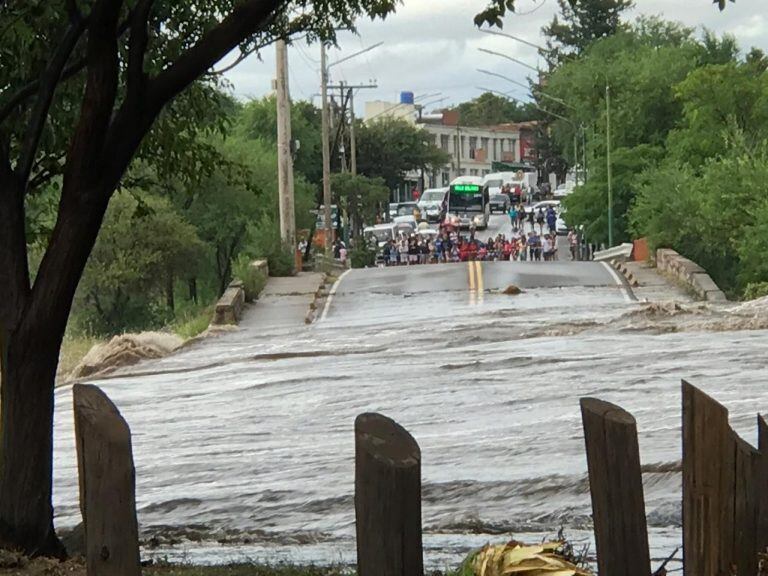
(139,21)
(245,19)
(49,80)
(100,92)
(30,88)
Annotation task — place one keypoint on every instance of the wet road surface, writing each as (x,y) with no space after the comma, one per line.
(244,443)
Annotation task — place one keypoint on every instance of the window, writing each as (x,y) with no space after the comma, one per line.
(463,142)
(472,142)
(444,141)
(484,144)
(446,178)
(472,153)
(462,172)
(473,172)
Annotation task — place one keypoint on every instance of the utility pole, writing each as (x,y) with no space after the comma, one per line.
(352,139)
(284,158)
(608,159)
(326,151)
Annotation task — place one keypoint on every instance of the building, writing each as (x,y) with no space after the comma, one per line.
(474,151)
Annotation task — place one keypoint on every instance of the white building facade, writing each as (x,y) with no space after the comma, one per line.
(472,150)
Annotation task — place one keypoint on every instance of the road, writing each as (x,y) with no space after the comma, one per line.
(247,438)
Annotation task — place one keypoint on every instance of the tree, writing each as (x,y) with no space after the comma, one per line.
(143,245)
(83,84)
(581,22)
(360,197)
(490,110)
(389,148)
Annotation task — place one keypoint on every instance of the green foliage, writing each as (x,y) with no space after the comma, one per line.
(756,290)
(258,121)
(265,243)
(359,197)
(388,148)
(489,110)
(253,279)
(193,322)
(716,216)
(582,22)
(144,245)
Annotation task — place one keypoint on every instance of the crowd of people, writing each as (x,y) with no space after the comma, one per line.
(453,247)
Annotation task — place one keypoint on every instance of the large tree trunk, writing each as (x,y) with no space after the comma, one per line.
(30,350)
(26,515)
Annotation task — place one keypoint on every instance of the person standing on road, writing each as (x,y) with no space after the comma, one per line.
(573,243)
(540,220)
(513,217)
(552,220)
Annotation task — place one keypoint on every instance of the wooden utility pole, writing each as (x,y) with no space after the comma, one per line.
(326,150)
(284,158)
(352,140)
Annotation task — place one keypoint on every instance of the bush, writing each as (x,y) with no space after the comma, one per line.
(253,280)
(265,243)
(756,290)
(361,257)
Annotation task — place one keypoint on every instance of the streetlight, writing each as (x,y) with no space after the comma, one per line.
(531,44)
(563,118)
(515,60)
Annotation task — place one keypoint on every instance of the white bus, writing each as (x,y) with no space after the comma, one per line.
(468,201)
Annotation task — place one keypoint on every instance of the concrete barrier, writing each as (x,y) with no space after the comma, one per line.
(229,308)
(622,252)
(260,266)
(688,273)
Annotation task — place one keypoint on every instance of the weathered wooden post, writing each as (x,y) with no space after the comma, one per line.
(616,485)
(708,482)
(107,485)
(745,506)
(387,498)
(762,484)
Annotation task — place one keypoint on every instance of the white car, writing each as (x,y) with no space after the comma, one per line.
(431,202)
(544,204)
(563,190)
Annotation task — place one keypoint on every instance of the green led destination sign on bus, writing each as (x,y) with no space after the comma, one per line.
(466,188)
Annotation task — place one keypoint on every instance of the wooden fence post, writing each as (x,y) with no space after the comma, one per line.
(761,485)
(387,498)
(616,485)
(745,507)
(107,485)
(708,482)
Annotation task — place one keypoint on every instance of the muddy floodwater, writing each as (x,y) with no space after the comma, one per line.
(244,443)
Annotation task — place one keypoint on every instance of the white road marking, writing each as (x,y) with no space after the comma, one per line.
(619,283)
(332,293)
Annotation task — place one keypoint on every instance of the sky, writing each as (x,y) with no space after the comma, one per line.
(430,47)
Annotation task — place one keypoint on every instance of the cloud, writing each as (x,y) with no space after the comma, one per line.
(432,46)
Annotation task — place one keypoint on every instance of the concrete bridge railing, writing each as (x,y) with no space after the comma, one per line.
(690,274)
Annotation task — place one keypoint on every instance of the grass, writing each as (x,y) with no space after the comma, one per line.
(193,322)
(74,349)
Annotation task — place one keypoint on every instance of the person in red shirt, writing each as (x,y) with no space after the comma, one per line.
(415,194)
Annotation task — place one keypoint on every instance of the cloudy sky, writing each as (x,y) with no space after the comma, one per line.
(431,47)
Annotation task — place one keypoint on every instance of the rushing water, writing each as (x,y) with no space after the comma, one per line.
(244,444)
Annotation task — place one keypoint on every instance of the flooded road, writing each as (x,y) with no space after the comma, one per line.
(244,443)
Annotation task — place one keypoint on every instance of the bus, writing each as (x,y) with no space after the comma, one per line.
(468,201)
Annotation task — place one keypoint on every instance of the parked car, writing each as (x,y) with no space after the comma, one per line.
(544,204)
(499,203)
(431,203)
(409,209)
(563,190)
